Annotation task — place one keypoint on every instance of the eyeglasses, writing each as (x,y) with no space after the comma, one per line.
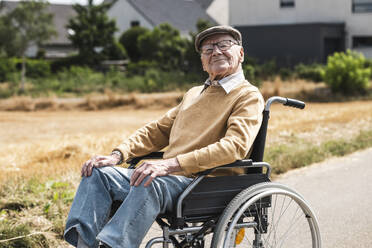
(223,45)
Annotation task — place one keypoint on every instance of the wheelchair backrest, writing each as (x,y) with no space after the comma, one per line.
(258,148)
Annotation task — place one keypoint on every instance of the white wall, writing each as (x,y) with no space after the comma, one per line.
(264,12)
(124,13)
(219,11)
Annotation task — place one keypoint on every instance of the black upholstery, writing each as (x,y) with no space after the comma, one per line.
(211,196)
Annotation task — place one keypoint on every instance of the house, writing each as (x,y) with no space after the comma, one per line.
(59,45)
(181,14)
(293,31)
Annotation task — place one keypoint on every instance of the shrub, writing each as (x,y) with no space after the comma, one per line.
(116,51)
(7,66)
(267,70)
(153,81)
(140,67)
(347,73)
(37,68)
(368,64)
(312,72)
(285,73)
(65,63)
(129,39)
(250,74)
(76,79)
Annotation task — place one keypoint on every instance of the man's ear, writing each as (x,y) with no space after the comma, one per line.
(242,55)
(204,69)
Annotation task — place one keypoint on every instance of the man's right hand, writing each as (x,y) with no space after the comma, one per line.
(98,161)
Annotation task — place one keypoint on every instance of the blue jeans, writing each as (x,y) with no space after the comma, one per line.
(89,213)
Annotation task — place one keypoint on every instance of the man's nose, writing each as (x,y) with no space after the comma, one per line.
(216,50)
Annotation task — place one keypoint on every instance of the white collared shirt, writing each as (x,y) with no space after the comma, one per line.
(228,83)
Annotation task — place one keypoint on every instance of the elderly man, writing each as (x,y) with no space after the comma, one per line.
(215,124)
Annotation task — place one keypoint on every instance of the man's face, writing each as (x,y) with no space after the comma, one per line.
(221,63)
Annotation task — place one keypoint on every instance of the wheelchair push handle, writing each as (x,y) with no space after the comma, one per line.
(285,101)
(295,103)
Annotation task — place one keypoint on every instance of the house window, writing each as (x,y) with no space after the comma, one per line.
(361,6)
(362,41)
(134,23)
(287,3)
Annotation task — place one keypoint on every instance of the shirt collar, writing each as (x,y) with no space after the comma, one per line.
(230,82)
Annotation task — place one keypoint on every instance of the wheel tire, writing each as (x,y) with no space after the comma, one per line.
(243,206)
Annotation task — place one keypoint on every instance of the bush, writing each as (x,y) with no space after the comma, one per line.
(65,63)
(140,67)
(312,72)
(129,39)
(115,52)
(347,73)
(267,70)
(250,74)
(368,64)
(76,79)
(37,68)
(285,73)
(7,66)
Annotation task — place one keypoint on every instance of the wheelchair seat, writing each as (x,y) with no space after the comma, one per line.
(211,196)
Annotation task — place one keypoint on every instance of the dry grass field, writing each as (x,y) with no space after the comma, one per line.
(41,154)
(50,143)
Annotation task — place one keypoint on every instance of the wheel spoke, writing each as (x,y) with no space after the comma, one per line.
(293,223)
(283,223)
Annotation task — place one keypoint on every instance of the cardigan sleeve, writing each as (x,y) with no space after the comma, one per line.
(152,137)
(242,128)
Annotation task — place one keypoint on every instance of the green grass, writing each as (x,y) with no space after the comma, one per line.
(300,154)
(80,81)
(9,230)
(21,204)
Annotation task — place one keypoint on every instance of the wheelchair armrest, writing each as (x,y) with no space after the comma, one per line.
(245,163)
(153,155)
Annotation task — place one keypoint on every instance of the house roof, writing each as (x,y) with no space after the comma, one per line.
(204,3)
(181,14)
(61,12)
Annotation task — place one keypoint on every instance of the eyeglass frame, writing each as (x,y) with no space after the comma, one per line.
(232,42)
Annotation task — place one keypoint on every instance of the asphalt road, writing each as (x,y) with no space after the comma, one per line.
(339,191)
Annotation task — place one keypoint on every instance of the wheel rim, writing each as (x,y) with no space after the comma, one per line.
(290,222)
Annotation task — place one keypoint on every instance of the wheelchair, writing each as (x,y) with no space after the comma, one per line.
(245,210)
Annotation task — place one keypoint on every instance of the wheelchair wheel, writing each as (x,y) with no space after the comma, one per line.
(267,215)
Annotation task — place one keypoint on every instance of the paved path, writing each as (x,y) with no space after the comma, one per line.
(339,191)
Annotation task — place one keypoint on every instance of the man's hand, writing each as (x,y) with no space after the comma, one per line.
(154,169)
(98,161)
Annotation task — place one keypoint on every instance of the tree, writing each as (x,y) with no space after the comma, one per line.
(129,39)
(92,32)
(163,45)
(192,58)
(27,25)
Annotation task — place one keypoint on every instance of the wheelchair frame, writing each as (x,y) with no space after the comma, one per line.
(237,200)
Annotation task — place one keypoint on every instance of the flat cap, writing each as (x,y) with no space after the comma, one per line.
(217,30)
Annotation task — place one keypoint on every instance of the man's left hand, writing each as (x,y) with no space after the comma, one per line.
(153,169)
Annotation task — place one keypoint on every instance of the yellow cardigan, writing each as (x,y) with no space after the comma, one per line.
(205,130)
